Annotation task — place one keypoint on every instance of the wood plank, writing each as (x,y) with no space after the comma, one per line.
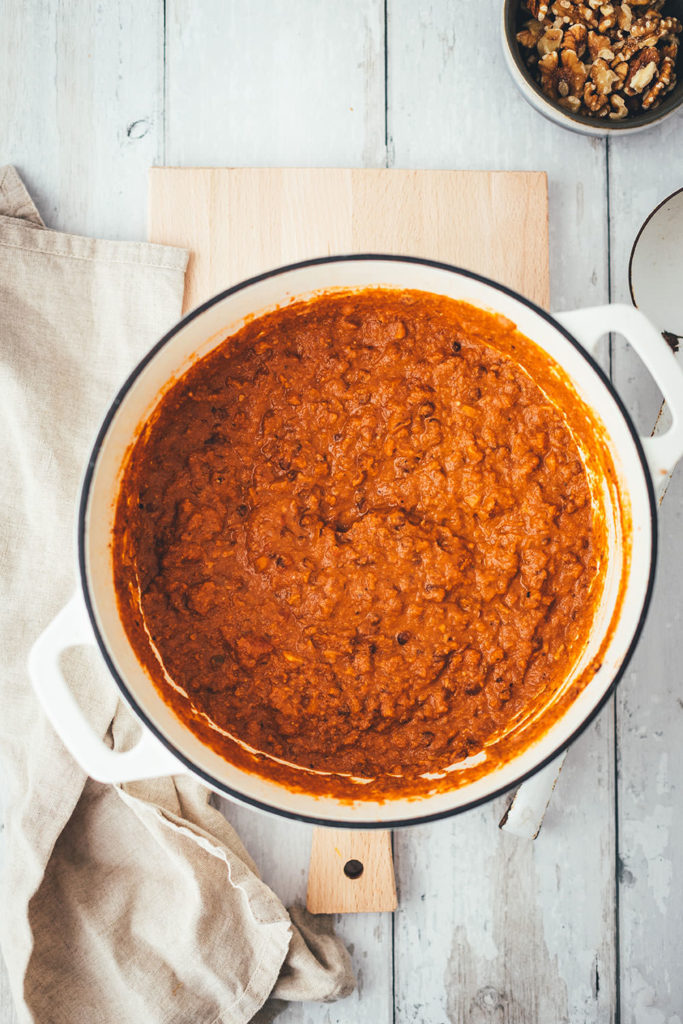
(270,82)
(251,219)
(443,112)
(488,927)
(82,110)
(649,699)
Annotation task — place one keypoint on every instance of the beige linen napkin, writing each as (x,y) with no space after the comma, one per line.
(120,904)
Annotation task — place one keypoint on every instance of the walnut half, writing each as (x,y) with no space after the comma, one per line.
(562,75)
(537,8)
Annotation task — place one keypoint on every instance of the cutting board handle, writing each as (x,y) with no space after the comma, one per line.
(351,872)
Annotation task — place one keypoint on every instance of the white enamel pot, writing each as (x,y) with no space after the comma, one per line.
(167,745)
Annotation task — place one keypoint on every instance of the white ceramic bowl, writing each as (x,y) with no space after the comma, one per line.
(655,269)
(581,123)
(168,746)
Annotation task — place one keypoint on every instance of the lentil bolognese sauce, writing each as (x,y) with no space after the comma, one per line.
(357,538)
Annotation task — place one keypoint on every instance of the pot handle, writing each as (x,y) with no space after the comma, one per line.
(147,759)
(589,325)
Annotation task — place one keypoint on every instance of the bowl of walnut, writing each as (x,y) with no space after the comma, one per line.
(594,67)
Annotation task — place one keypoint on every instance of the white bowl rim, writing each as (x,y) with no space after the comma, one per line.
(214,783)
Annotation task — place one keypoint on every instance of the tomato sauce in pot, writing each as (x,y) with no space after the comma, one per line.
(362,540)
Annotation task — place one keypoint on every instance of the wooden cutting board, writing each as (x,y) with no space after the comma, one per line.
(237,222)
(242,221)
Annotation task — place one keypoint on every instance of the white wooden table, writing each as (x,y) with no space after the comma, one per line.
(586,924)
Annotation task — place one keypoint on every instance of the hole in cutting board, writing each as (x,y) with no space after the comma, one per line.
(353,869)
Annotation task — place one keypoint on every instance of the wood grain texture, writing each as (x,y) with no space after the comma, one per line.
(650,697)
(276,83)
(239,222)
(80,105)
(453,105)
(331,891)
